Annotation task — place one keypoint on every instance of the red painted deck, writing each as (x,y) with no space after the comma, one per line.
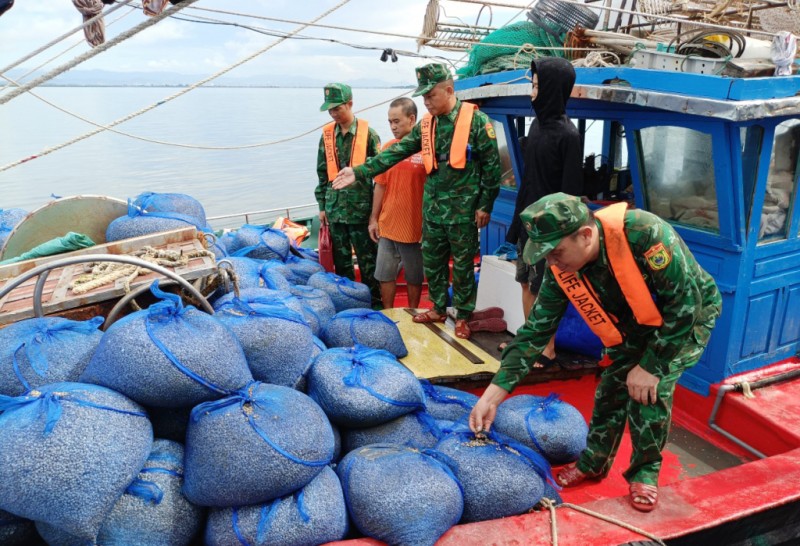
(688,503)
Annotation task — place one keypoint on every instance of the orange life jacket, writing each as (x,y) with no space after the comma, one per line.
(582,295)
(458,147)
(358,154)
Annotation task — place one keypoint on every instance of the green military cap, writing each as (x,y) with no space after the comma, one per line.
(548,221)
(429,75)
(336,94)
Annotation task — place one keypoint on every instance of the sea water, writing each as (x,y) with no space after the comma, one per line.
(269,135)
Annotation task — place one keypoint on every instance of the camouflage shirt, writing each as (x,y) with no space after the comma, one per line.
(451,195)
(353,204)
(685,295)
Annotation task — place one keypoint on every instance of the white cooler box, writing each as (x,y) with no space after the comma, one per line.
(497,288)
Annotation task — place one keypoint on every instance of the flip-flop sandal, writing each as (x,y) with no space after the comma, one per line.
(462,329)
(502,346)
(428,316)
(570,476)
(494,324)
(644,497)
(545,362)
(488,313)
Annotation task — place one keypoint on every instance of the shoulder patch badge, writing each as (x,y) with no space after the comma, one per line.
(658,257)
(490,130)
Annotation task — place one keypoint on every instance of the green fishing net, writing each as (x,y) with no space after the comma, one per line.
(522,41)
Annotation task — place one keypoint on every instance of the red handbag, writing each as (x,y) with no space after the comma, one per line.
(325,248)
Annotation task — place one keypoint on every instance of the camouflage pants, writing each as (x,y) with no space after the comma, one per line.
(345,237)
(439,242)
(649,425)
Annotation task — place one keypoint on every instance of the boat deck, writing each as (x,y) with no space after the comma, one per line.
(709,486)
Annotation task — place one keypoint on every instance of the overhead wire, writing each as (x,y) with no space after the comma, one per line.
(170,98)
(93,52)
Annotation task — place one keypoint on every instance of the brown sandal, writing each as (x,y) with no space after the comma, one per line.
(462,329)
(570,476)
(428,316)
(644,496)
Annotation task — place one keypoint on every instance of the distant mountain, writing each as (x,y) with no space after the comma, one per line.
(109,78)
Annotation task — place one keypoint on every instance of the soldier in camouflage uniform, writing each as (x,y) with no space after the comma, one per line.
(639,382)
(456,201)
(347,212)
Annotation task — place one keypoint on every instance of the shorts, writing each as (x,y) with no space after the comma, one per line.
(531,275)
(393,255)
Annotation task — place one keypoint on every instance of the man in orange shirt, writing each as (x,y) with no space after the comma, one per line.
(396,219)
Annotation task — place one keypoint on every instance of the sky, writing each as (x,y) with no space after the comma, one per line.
(184,47)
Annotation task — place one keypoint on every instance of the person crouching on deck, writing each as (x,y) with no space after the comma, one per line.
(609,265)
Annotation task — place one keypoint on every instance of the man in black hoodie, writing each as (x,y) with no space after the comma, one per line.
(553,163)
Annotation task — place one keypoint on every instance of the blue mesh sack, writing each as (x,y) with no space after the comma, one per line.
(225,241)
(551,426)
(152,512)
(247,272)
(417,429)
(316,350)
(277,341)
(169,423)
(318,306)
(275,275)
(155,212)
(169,356)
(16,531)
(344,293)
(574,335)
(447,403)
(360,387)
(314,515)
(263,442)
(9,218)
(44,350)
(171,205)
(500,477)
(262,296)
(264,243)
(399,495)
(303,268)
(364,327)
(309,254)
(67,453)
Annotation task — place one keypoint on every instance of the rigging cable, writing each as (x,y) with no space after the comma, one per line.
(92,52)
(110,128)
(171,97)
(64,36)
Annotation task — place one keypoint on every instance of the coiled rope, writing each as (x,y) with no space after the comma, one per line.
(107,272)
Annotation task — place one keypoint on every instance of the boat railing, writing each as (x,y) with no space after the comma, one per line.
(262,217)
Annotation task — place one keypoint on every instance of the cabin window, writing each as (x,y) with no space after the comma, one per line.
(750,141)
(677,169)
(781,182)
(507,179)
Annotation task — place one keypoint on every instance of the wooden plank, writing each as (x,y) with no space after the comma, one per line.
(125,246)
(57,295)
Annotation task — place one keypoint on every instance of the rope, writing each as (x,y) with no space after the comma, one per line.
(92,52)
(171,97)
(550,505)
(63,37)
(108,272)
(747,392)
(73,46)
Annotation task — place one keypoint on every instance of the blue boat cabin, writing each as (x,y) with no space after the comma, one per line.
(715,156)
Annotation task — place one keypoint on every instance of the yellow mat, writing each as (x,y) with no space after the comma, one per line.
(431,357)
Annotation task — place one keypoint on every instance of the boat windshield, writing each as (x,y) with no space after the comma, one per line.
(781,182)
(678,175)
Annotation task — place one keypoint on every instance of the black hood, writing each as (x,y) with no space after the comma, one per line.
(556,79)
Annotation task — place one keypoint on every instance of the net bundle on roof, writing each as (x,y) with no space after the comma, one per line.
(510,48)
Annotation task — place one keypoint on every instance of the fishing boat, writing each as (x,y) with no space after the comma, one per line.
(717,156)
